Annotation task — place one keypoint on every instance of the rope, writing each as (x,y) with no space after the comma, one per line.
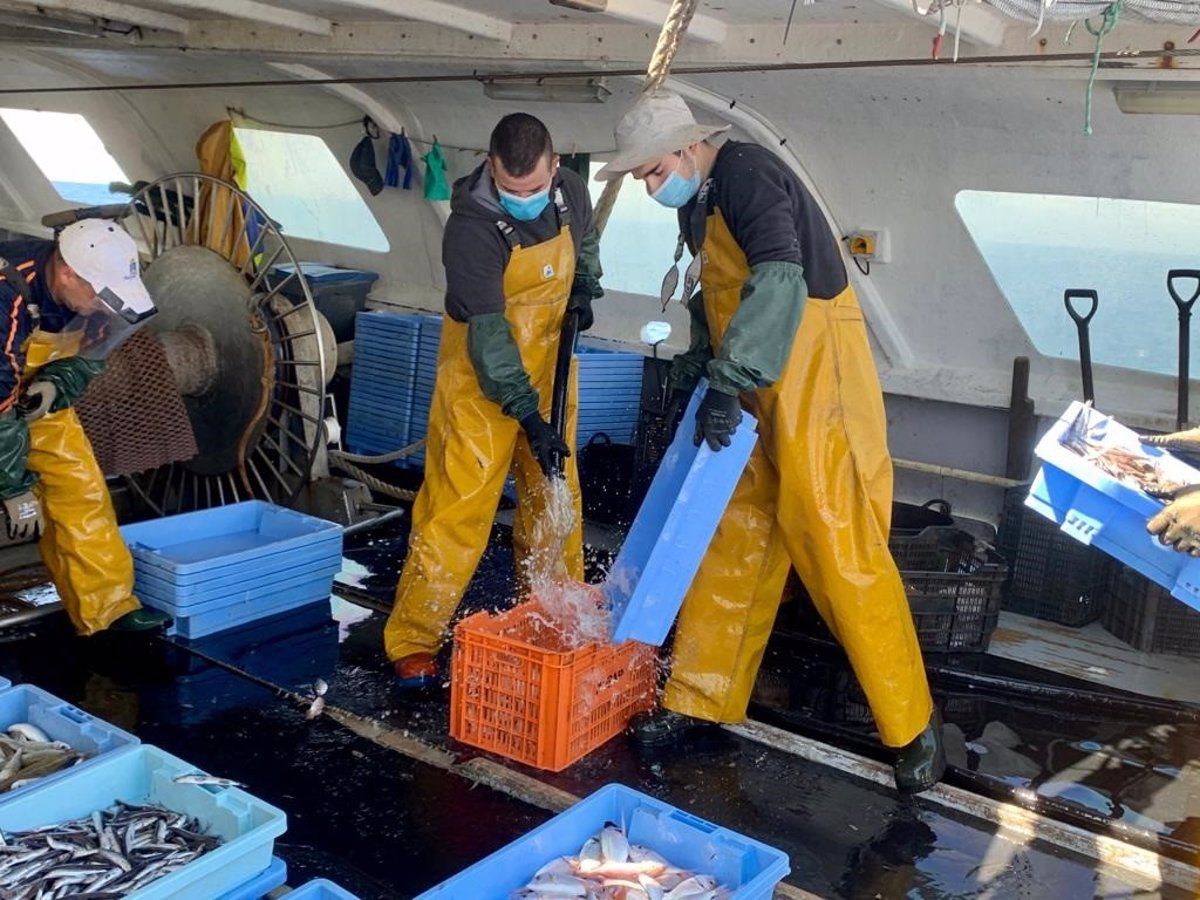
(374,484)
(342,455)
(669,39)
(1111,13)
(346,462)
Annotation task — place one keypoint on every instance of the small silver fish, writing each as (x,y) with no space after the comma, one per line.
(212,780)
(320,687)
(28,732)
(317,707)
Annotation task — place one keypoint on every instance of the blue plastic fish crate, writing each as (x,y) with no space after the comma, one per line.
(320,889)
(224,567)
(5,684)
(199,546)
(1102,512)
(748,867)
(275,875)
(672,530)
(247,825)
(62,722)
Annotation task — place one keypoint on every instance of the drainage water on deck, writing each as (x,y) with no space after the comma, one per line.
(385,825)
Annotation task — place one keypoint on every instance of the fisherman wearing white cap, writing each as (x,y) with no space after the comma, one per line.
(777,331)
(64,305)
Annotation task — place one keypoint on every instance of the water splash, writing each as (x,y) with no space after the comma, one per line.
(570,610)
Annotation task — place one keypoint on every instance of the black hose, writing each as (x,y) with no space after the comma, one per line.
(562,374)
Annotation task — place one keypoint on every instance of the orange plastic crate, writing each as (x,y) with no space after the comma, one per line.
(518,692)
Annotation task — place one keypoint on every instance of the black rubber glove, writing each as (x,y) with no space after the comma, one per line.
(548,448)
(582,304)
(717,419)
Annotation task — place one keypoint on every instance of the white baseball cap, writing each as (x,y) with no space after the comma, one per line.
(104,255)
(658,123)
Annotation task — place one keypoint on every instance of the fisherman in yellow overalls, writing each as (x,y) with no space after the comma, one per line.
(65,304)
(777,331)
(520,251)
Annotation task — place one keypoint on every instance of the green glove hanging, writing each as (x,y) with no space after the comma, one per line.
(436,185)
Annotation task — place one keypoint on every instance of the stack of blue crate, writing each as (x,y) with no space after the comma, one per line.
(216,569)
(610,392)
(391,386)
(395,366)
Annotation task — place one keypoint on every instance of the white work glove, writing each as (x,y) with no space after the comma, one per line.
(37,400)
(24,513)
(1178,525)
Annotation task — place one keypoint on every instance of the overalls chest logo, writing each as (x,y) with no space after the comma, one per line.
(548,271)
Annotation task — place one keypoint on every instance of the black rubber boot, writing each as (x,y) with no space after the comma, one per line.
(664,728)
(139,620)
(921,764)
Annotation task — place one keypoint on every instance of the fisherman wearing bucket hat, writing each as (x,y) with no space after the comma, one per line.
(65,304)
(777,331)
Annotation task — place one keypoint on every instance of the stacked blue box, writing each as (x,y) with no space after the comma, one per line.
(391,386)
(219,568)
(61,721)
(395,367)
(246,825)
(610,393)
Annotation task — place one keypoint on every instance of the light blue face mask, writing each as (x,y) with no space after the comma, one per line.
(524,209)
(676,191)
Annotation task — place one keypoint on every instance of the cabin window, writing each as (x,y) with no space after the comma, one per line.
(69,153)
(639,240)
(1039,245)
(299,182)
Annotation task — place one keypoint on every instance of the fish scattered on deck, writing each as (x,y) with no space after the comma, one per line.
(27,754)
(608,867)
(110,853)
(213,780)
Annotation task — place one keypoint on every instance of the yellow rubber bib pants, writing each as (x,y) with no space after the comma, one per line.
(81,546)
(817,493)
(470,448)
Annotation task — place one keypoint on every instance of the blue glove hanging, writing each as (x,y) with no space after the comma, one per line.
(399,155)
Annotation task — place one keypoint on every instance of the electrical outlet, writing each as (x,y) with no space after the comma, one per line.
(870,245)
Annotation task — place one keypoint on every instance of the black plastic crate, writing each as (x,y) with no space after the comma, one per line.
(1147,617)
(654,431)
(953,587)
(1052,575)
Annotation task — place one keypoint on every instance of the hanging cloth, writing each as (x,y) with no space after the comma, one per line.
(399,156)
(362,158)
(436,186)
(219,156)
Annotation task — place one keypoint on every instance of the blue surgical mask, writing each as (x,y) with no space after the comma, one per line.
(524,209)
(676,191)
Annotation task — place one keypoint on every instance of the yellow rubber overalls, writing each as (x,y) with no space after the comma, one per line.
(817,494)
(81,545)
(471,446)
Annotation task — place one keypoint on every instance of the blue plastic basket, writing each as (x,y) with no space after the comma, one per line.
(217,620)
(197,546)
(5,684)
(62,722)
(247,825)
(275,875)
(748,867)
(672,530)
(320,889)
(281,567)
(1099,511)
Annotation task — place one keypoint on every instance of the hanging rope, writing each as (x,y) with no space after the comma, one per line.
(669,39)
(1111,13)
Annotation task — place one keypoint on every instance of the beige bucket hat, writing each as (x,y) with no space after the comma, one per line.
(658,123)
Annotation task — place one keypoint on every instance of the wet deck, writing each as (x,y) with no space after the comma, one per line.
(375,801)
